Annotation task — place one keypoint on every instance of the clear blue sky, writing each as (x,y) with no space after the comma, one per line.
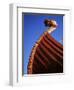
(34,28)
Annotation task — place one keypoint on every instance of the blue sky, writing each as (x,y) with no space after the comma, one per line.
(34,28)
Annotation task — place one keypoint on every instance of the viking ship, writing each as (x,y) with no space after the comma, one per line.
(47,54)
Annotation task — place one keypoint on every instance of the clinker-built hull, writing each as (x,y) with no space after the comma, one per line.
(46,56)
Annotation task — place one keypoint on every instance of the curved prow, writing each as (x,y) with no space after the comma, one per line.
(47,54)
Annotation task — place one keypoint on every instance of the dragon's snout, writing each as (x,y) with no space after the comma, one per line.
(50,23)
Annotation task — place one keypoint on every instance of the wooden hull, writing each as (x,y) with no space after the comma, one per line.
(46,56)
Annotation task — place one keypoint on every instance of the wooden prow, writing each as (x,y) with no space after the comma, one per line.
(47,54)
